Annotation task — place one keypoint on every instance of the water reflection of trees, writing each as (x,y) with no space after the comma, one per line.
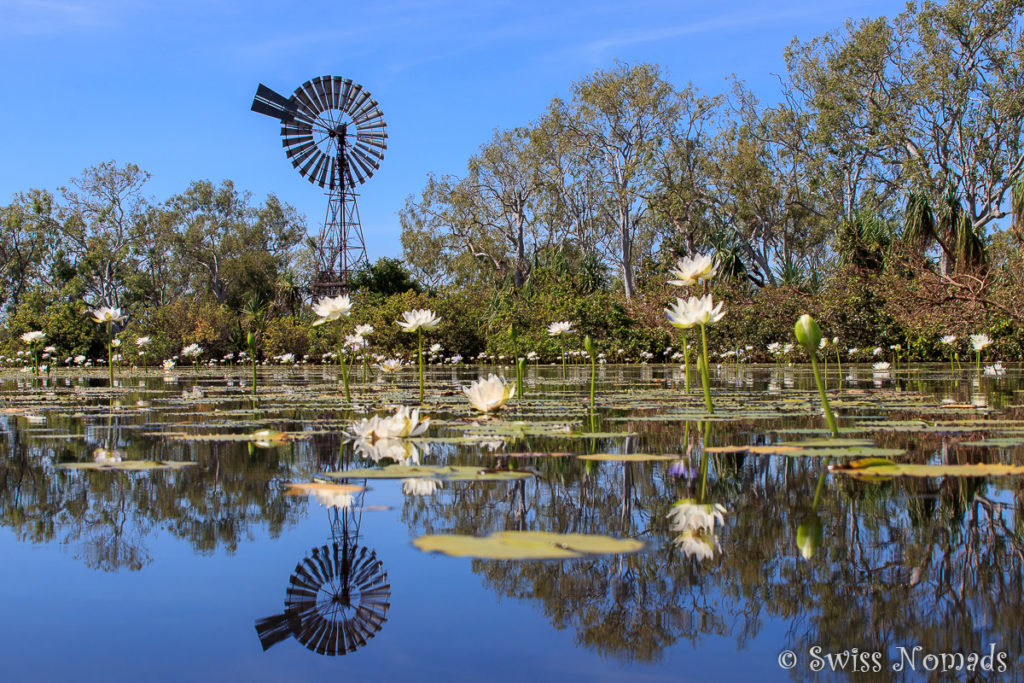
(909,562)
(105,518)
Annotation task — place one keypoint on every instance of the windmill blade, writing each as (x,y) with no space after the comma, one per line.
(334,173)
(261,107)
(367,164)
(304,171)
(354,170)
(369,150)
(348,93)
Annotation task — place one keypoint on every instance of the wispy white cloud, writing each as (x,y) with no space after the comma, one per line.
(42,17)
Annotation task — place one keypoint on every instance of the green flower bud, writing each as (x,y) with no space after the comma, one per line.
(809,535)
(808,333)
(251,340)
(512,334)
(588,344)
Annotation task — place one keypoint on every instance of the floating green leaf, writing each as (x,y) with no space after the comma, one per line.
(128,465)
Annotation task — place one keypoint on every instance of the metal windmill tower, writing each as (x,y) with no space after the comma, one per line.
(334,133)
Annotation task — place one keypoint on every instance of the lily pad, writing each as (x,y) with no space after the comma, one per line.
(313,487)
(525,545)
(627,457)
(128,465)
(881,468)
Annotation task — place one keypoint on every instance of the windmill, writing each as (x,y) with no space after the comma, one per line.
(334,133)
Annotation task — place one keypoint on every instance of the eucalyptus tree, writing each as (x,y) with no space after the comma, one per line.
(102,229)
(623,117)
(930,102)
(489,216)
(228,248)
(27,227)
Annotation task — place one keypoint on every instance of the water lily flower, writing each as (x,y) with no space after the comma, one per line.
(489,394)
(560,328)
(355,342)
(116,343)
(192,351)
(419,319)
(948,339)
(404,423)
(364,330)
(680,316)
(33,337)
(703,311)
(79,359)
(881,367)
(690,270)
(142,341)
(169,364)
(979,342)
(391,365)
(420,486)
(105,314)
(332,308)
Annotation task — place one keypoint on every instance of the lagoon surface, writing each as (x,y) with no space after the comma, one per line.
(219,570)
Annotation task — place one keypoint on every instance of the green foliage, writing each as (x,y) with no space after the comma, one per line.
(385,277)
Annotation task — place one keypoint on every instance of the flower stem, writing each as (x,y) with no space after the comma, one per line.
(840,364)
(419,333)
(593,379)
(110,353)
(686,361)
(563,359)
(705,378)
(342,363)
(829,417)
(979,361)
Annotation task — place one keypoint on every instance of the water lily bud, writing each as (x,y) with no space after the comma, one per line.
(251,340)
(521,363)
(512,334)
(809,535)
(808,333)
(588,344)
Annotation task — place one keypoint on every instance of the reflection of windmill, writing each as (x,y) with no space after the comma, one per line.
(334,133)
(338,596)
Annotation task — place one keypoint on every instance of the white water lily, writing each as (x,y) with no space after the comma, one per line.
(116,343)
(948,339)
(420,486)
(79,359)
(355,342)
(192,351)
(419,319)
(142,341)
(690,270)
(489,394)
(33,337)
(703,311)
(881,367)
(391,365)
(332,308)
(680,315)
(980,341)
(364,330)
(169,364)
(105,314)
(559,328)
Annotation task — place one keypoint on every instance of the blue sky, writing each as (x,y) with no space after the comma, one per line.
(167,85)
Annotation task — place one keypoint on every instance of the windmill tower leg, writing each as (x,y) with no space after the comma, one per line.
(340,246)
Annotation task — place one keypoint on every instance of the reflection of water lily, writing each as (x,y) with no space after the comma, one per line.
(687,515)
(334,499)
(698,544)
(400,450)
(405,422)
(103,456)
(996,370)
(420,486)
(489,394)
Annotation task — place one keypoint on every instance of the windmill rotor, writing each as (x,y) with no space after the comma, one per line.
(329,125)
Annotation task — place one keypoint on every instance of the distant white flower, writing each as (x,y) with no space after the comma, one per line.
(419,319)
(105,314)
(877,351)
(355,342)
(50,349)
(390,365)
(33,337)
(286,358)
(79,359)
(980,341)
(420,486)
(774,348)
(690,270)
(169,364)
(556,329)
(404,423)
(364,330)
(489,394)
(142,341)
(192,351)
(435,348)
(332,308)
(531,356)
(115,343)
(881,367)
(948,339)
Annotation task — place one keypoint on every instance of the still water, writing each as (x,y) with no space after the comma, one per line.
(216,571)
